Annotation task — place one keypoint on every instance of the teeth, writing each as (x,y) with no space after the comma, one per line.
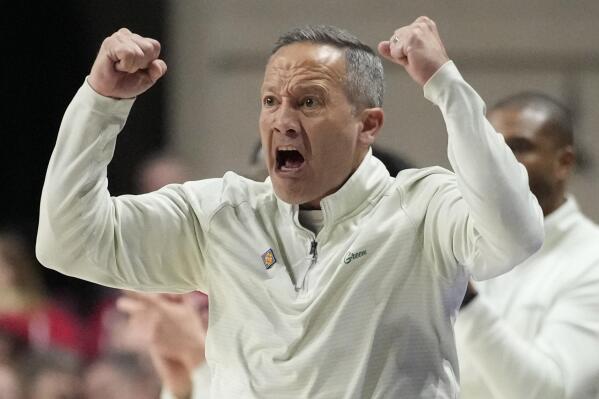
(287,148)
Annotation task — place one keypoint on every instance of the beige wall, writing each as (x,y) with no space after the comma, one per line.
(217,52)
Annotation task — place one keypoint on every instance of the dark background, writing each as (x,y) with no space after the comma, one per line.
(48,49)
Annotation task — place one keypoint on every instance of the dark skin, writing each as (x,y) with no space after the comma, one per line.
(548,162)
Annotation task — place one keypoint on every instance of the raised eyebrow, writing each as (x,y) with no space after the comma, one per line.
(298,89)
(266,90)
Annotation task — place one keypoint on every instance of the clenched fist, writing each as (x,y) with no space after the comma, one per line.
(418,48)
(127,65)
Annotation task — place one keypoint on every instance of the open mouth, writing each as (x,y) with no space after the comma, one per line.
(289,159)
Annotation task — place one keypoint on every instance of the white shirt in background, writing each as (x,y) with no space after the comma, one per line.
(533,333)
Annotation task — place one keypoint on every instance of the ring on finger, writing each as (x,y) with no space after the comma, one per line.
(394,39)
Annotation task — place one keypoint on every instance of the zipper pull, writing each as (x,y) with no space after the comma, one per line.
(313,250)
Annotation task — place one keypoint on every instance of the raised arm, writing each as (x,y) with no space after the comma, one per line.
(496,221)
(147,242)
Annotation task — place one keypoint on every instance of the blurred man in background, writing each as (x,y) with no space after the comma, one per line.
(533,333)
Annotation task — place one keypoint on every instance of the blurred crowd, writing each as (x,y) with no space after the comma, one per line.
(50,351)
(51,348)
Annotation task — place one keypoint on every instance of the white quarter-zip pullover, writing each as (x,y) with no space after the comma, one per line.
(363,309)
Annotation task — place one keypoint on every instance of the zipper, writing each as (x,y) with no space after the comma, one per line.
(313,252)
(313,257)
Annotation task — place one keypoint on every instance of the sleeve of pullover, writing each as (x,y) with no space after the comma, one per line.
(503,223)
(148,242)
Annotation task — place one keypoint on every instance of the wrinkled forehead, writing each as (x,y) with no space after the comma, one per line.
(304,62)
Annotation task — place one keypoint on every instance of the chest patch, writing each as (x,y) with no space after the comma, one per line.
(268,258)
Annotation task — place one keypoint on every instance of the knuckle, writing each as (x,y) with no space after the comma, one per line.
(157,46)
(430,26)
(119,49)
(138,53)
(107,42)
(148,47)
(127,56)
(118,36)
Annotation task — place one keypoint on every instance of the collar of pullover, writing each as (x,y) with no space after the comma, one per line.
(359,191)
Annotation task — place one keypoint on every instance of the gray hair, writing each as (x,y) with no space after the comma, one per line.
(365,82)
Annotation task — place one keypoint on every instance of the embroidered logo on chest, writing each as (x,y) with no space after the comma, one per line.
(268,258)
(353,255)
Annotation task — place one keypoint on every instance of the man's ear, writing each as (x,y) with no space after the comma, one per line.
(566,162)
(371,123)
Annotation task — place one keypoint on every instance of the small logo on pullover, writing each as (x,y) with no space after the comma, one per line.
(268,258)
(354,255)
